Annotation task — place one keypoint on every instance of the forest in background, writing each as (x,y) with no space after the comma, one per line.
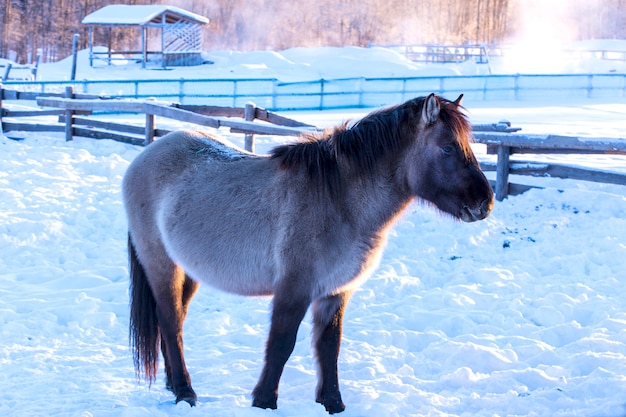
(33,27)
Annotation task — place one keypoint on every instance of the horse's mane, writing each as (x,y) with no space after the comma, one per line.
(361,145)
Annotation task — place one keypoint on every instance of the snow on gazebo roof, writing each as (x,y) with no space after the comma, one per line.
(123,14)
(181,32)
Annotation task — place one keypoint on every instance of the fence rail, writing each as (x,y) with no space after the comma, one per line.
(480,53)
(328,94)
(437,53)
(501,139)
(505,143)
(68,106)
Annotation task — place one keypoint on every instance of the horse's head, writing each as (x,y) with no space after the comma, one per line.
(440,166)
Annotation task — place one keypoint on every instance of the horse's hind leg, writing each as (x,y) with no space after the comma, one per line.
(189,289)
(172,299)
(288,310)
(327,327)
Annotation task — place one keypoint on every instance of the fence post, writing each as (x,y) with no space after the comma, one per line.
(74,56)
(361,82)
(249,114)
(149,138)
(69,115)
(502,172)
(1,109)
(274,88)
(7,71)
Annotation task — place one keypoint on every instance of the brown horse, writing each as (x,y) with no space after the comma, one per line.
(305,224)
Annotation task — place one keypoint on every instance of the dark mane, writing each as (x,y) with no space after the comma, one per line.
(362,145)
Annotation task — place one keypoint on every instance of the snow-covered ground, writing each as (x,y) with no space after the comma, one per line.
(301,64)
(523,314)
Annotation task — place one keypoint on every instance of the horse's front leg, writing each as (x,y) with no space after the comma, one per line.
(288,310)
(327,326)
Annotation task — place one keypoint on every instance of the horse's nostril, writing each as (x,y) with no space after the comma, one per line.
(486,206)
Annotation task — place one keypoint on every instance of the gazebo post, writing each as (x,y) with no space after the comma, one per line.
(144,47)
(110,43)
(163,21)
(90,45)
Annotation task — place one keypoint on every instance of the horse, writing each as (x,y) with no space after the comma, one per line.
(305,224)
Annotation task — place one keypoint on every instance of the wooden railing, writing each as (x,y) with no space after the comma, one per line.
(437,53)
(504,144)
(73,111)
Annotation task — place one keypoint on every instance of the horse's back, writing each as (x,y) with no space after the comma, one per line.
(206,205)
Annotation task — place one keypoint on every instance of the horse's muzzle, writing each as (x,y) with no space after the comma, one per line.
(480,212)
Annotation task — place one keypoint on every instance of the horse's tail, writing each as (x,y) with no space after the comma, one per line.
(144,335)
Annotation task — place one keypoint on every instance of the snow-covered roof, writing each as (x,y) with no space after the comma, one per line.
(123,14)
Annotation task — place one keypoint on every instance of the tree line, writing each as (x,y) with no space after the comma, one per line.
(33,27)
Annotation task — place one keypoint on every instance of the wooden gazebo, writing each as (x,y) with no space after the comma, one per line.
(180,32)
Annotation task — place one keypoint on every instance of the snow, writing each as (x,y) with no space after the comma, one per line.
(123,14)
(305,64)
(521,314)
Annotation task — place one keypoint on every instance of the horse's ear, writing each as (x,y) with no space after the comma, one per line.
(458,100)
(430,111)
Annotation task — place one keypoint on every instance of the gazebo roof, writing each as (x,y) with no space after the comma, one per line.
(123,14)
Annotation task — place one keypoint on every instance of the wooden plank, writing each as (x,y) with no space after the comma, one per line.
(180,114)
(493,149)
(547,142)
(31,127)
(261,114)
(540,169)
(69,114)
(9,94)
(249,113)
(276,119)
(149,129)
(259,129)
(567,172)
(32,95)
(215,111)
(502,173)
(495,127)
(30,113)
(92,105)
(101,134)
(120,127)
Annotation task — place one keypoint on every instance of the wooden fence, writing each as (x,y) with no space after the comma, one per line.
(438,53)
(73,110)
(503,143)
(480,53)
(24,72)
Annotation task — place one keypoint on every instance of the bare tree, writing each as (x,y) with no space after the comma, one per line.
(29,27)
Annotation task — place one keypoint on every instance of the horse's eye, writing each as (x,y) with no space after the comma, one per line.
(447,149)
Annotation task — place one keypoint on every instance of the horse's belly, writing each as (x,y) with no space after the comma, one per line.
(234,276)
(241,266)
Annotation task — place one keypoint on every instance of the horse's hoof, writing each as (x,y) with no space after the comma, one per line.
(265,403)
(188,395)
(190,401)
(332,406)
